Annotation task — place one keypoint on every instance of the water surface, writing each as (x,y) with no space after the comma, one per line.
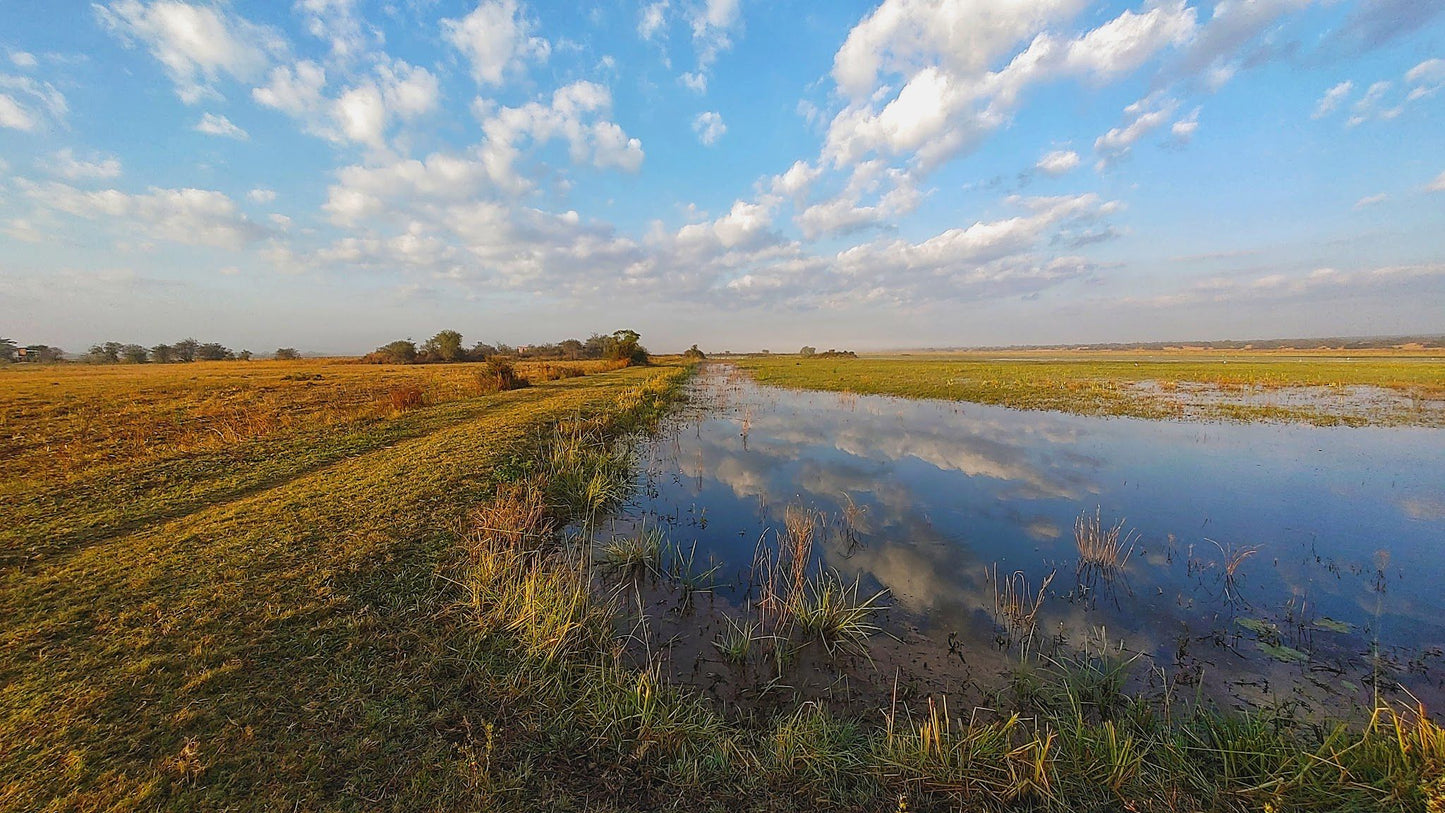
(1346,526)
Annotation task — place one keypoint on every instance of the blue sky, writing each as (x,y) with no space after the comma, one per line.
(332,174)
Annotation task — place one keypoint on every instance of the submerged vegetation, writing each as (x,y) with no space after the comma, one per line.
(341,604)
(1363,388)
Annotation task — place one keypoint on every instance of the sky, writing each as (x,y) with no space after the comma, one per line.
(334,174)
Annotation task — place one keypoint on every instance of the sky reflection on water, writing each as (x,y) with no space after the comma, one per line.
(1349,523)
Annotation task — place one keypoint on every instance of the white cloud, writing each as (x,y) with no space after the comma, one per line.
(709,127)
(695,82)
(874,194)
(191,216)
(1370,200)
(409,91)
(26,103)
(495,38)
(1184,129)
(1437,185)
(294,90)
(950,98)
(1058,162)
(652,20)
(23,60)
(218,125)
(66,165)
(197,44)
(714,22)
(15,116)
(1320,283)
(795,181)
(262,196)
(363,112)
(1369,105)
(1425,79)
(1143,117)
(1332,99)
(360,114)
(334,21)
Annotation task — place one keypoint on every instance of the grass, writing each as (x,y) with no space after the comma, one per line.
(1102,549)
(397,623)
(1185,384)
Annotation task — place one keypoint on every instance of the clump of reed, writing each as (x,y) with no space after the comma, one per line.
(498,375)
(634,554)
(821,606)
(586,471)
(1016,605)
(735,641)
(835,612)
(1102,549)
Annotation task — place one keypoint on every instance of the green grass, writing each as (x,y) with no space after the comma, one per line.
(1105,383)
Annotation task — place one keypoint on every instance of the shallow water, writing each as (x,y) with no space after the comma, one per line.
(1347,528)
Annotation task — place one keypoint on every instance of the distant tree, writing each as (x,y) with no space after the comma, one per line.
(286,354)
(446,346)
(481,351)
(185,349)
(625,346)
(504,349)
(596,346)
(7,350)
(401,351)
(45,354)
(213,351)
(571,349)
(694,354)
(807,352)
(244,355)
(163,354)
(108,353)
(133,354)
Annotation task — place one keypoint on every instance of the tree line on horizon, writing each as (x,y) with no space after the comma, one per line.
(447,346)
(183,351)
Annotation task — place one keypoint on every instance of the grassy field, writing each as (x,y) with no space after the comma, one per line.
(1323,388)
(374,608)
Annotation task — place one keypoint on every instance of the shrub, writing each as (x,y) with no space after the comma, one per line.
(498,375)
(406,397)
(553,372)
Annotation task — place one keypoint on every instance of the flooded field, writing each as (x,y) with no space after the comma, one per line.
(1251,564)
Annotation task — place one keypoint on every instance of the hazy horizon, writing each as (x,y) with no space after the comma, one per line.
(335,174)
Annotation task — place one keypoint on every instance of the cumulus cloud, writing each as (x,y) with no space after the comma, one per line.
(950,98)
(197,44)
(23,60)
(293,89)
(190,216)
(1058,162)
(709,127)
(360,114)
(218,125)
(96,167)
(262,196)
(496,38)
